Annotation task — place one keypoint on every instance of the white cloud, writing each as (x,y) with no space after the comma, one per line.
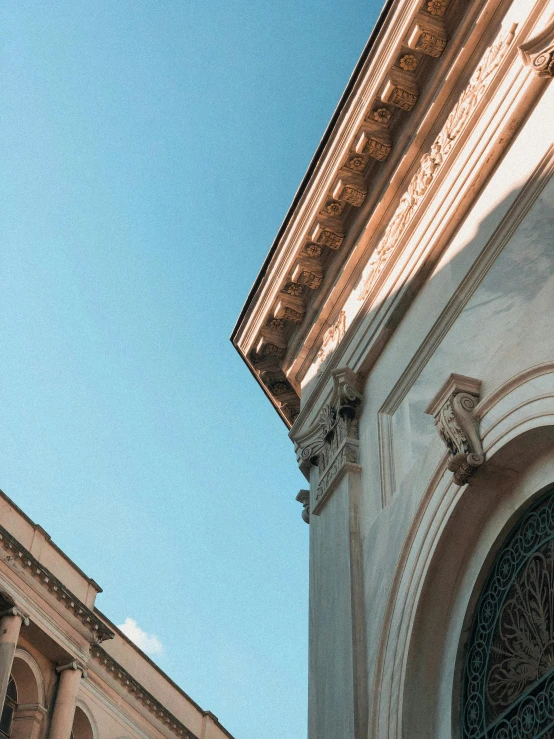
(147,642)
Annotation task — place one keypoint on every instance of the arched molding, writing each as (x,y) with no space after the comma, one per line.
(82,730)
(28,678)
(453,536)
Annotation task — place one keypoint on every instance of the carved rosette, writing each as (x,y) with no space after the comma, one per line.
(457,425)
(333,443)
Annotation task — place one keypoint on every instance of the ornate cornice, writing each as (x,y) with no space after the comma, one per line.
(332,444)
(452,408)
(422,41)
(17,553)
(140,694)
(431,164)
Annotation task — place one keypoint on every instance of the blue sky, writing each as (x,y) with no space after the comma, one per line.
(150,150)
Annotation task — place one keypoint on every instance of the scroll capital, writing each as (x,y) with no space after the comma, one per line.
(332,442)
(538,53)
(15,611)
(75,664)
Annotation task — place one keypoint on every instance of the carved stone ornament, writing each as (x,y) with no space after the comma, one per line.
(539,52)
(332,444)
(452,409)
(400,91)
(432,162)
(329,233)
(289,308)
(331,339)
(374,143)
(304,498)
(308,271)
(428,36)
(351,188)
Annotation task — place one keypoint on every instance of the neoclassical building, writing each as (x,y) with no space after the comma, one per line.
(402,326)
(66,672)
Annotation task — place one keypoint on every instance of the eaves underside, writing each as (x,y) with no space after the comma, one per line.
(384,117)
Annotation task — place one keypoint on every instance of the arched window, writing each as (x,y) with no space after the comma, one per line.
(508,684)
(10,704)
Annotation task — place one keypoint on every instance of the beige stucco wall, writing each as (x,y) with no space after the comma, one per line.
(121,693)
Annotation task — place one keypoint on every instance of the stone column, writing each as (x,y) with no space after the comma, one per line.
(10,625)
(66,697)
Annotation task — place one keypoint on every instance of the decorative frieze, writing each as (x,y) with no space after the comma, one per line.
(304,498)
(452,409)
(308,272)
(331,339)
(432,161)
(329,233)
(400,91)
(332,445)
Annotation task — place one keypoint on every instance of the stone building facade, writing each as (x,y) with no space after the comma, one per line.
(66,672)
(402,326)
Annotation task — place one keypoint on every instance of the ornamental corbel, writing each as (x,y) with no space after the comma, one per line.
(453,410)
(427,35)
(538,53)
(304,498)
(332,444)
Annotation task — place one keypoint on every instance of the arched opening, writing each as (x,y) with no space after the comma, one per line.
(508,682)
(82,726)
(8,711)
(30,711)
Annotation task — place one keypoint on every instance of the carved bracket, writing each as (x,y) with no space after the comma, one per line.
(452,409)
(538,53)
(332,443)
(304,498)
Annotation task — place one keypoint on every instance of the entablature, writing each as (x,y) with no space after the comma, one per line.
(338,262)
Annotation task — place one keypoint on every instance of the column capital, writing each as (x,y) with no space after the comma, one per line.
(14,611)
(332,442)
(75,664)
